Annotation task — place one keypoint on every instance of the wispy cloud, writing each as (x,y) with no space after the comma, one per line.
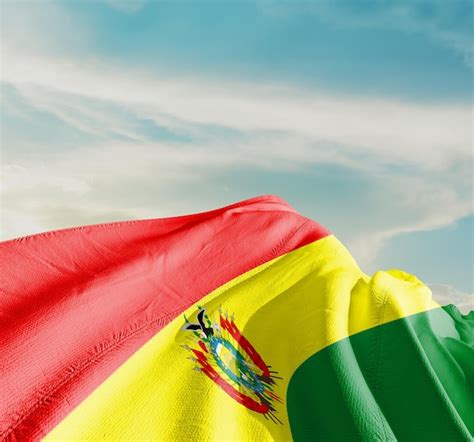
(233,125)
(446,22)
(390,131)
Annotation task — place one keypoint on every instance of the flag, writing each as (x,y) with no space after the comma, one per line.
(249,322)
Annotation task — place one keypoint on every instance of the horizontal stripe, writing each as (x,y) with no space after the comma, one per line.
(174,388)
(411,379)
(75,304)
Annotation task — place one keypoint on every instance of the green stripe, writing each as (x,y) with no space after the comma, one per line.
(410,379)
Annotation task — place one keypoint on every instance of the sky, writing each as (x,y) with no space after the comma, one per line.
(359,114)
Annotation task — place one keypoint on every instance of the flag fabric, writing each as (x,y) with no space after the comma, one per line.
(249,322)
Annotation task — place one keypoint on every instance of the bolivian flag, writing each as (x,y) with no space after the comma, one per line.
(249,322)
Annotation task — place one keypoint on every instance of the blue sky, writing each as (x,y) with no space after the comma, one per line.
(358,113)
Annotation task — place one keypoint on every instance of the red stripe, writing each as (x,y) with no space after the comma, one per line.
(75,304)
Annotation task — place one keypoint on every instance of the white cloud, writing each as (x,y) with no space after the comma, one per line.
(271,128)
(445,294)
(39,27)
(90,116)
(389,131)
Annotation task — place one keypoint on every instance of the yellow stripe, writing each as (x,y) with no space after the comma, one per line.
(288,308)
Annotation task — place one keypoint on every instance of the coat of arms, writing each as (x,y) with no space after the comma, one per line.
(222,353)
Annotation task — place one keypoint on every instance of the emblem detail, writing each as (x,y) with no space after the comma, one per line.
(224,355)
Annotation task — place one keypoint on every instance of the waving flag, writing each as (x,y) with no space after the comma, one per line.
(249,322)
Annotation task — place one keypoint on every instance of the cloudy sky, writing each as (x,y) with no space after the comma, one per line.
(357,113)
